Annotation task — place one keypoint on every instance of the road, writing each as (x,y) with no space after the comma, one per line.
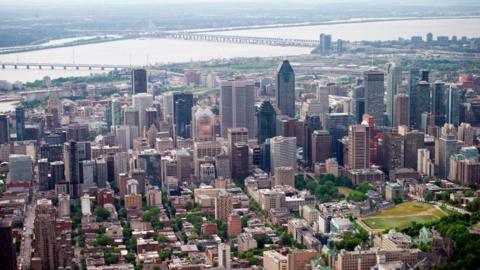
(26,248)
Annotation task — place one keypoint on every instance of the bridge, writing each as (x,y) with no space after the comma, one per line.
(309,43)
(27,65)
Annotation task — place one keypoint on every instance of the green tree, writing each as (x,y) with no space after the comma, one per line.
(102,214)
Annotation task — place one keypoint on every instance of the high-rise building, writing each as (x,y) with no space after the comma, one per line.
(234,225)
(44,229)
(373,83)
(401,110)
(101,172)
(142,101)
(182,113)
(223,207)
(236,135)
(239,156)
(394,82)
(358,103)
(43,175)
(237,110)
(4,129)
(299,259)
(413,80)
(72,168)
(439,103)
(224,261)
(8,255)
(325,43)
(422,102)
(266,122)
(139,81)
(284,176)
(321,146)
(453,105)
(272,260)
(392,154)
(447,146)
(202,124)
(311,124)
(466,134)
(285,92)
(412,142)
(283,152)
(20,122)
(116,110)
(358,147)
(21,168)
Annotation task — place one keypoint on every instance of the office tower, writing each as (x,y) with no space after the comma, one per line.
(358,147)
(394,82)
(140,176)
(223,207)
(266,160)
(285,91)
(283,152)
(392,150)
(299,259)
(223,167)
(358,103)
(20,122)
(373,83)
(72,168)
(234,225)
(425,75)
(236,135)
(57,172)
(63,208)
(311,124)
(422,102)
(21,168)
(266,122)
(132,187)
(8,256)
(240,162)
(272,260)
(84,150)
(101,172)
(87,173)
(182,113)
(466,134)
(323,94)
(439,109)
(44,229)
(429,37)
(43,175)
(425,166)
(325,43)
(131,116)
(412,142)
(447,146)
(202,124)
(141,102)
(284,176)
(453,105)
(413,80)
(154,197)
(401,110)
(224,261)
(121,164)
(4,129)
(108,114)
(78,132)
(151,117)
(321,146)
(116,110)
(184,165)
(139,81)
(237,110)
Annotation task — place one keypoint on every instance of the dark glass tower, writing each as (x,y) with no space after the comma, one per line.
(72,168)
(8,256)
(422,102)
(20,123)
(413,79)
(286,89)
(182,113)
(439,104)
(4,129)
(311,124)
(266,122)
(139,81)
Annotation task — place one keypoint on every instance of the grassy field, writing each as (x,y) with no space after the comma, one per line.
(402,215)
(345,190)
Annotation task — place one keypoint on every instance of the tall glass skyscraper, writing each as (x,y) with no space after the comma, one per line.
(286,89)
(266,122)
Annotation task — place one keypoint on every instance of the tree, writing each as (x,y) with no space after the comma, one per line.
(429,196)
(102,214)
(397,200)
(103,240)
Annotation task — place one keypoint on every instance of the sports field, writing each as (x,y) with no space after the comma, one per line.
(402,215)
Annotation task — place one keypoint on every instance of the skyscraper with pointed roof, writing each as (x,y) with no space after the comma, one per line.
(285,92)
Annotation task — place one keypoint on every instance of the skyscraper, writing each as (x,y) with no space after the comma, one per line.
(139,81)
(202,124)
(358,101)
(373,83)
(311,124)
(44,229)
(72,168)
(224,260)
(266,122)
(283,152)
(453,105)
(223,206)
(285,93)
(422,102)
(142,101)
(325,43)
(20,122)
(4,129)
(182,113)
(439,103)
(394,81)
(358,147)
(321,146)
(413,80)
(401,110)
(116,112)
(447,146)
(8,256)
(237,99)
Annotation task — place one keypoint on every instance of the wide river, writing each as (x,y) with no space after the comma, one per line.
(151,51)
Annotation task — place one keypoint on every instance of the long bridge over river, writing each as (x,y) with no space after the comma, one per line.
(65,66)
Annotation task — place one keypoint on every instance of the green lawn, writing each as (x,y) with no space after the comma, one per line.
(345,190)
(402,215)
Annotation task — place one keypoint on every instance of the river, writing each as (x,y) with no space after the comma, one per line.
(161,51)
